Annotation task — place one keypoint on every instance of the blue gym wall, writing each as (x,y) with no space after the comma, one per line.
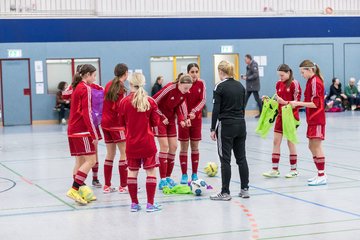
(331,41)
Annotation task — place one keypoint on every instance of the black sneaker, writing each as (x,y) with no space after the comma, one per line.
(96,184)
(221,197)
(257,116)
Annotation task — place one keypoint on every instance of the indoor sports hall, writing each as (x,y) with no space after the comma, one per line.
(44,42)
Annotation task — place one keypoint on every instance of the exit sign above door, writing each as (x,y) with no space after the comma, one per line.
(14,53)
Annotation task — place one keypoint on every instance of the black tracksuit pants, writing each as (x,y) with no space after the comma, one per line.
(231,135)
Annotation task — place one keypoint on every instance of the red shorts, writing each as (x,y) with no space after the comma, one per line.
(98,133)
(316,132)
(114,136)
(193,132)
(165,130)
(278,124)
(80,146)
(148,163)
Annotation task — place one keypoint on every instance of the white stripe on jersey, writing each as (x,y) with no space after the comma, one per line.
(220,83)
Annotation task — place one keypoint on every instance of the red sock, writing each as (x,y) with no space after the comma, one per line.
(108,166)
(163,164)
(183,162)
(79,180)
(195,160)
(123,173)
(275,161)
(170,164)
(293,161)
(150,189)
(320,165)
(133,188)
(95,170)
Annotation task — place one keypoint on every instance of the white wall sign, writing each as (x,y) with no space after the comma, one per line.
(14,53)
(39,88)
(38,66)
(227,49)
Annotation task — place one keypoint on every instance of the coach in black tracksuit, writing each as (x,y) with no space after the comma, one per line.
(229,128)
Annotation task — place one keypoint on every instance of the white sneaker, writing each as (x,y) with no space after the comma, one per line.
(318,181)
(63,121)
(313,178)
(292,174)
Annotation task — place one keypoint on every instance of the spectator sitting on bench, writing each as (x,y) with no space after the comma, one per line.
(336,96)
(61,104)
(352,94)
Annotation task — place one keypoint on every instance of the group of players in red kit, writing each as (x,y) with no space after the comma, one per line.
(131,119)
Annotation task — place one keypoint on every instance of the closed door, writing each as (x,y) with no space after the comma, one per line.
(232,58)
(16,92)
(352,61)
(321,54)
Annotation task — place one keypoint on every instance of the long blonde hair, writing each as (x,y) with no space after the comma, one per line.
(140,100)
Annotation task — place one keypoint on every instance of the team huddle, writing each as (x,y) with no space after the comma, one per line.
(130,120)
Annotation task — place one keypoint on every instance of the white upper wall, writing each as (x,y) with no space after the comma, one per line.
(175,8)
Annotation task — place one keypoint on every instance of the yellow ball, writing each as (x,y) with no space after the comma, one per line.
(211,169)
(86,193)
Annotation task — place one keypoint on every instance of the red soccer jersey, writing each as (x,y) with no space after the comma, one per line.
(195,101)
(169,99)
(66,94)
(110,114)
(80,120)
(140,142)
(291,93)
(314,92)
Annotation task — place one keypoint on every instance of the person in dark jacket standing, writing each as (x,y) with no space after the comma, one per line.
(229,129)
(157,85)
(252,81)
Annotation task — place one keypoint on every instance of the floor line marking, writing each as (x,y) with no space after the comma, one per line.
(38,186)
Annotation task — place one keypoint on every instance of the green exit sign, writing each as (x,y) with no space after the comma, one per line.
(14,53)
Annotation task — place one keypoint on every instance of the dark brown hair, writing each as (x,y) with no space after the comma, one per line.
(285,68)
(81,70)
(61,85)
(191,65)
(117,86)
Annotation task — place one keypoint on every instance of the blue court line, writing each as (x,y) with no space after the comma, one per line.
(305,201)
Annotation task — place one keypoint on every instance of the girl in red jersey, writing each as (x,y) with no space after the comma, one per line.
(82,133)
(138,113)
(193,106)
(67,96)
(315,117)
(114,134)
(169,100)
(287,89)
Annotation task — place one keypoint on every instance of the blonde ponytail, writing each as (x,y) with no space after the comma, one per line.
(140,100)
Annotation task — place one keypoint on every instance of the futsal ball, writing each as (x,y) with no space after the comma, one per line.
(86,193)
(198,187)
(211,169)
